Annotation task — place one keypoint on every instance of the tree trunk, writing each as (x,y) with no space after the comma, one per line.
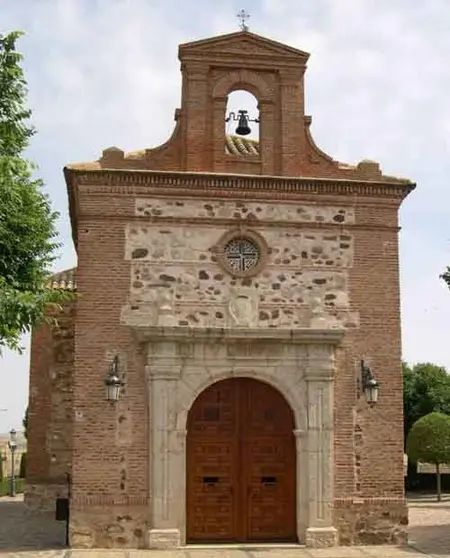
(438,482)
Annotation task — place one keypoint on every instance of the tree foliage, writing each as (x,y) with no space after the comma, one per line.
(25,424)
(429,442)
(27,222)
(23,466)
(426,388)
(446,276)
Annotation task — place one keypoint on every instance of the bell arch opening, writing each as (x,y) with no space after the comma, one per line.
(241,464)
(242,124)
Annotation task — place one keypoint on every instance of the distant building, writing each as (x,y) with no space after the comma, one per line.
(430,468)
(5,453)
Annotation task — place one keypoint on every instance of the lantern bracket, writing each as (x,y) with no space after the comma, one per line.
(114,381)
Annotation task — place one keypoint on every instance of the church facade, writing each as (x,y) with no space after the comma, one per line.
(246,294)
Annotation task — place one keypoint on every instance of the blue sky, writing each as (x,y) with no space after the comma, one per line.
(105,72)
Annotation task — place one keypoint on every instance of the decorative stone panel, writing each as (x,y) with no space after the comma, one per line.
(303,277)
(244,210)
(289,248)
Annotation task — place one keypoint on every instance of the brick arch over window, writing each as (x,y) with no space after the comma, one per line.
(243,79)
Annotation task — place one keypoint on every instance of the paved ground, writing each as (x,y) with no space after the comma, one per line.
(26,536)
(429,523)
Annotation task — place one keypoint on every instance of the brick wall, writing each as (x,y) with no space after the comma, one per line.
(49,456)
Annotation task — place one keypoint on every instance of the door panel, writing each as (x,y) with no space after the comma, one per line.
(240,464)
(271,496)
(211,503)
(270,458)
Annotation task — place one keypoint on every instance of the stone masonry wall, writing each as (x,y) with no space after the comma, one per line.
(302,264)
(103,527)
(366,522)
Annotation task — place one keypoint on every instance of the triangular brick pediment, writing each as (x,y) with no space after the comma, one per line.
(241,43)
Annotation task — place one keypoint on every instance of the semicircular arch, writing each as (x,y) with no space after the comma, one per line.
(293,397)
(243,79)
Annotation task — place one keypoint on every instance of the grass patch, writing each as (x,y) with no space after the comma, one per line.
(5,485)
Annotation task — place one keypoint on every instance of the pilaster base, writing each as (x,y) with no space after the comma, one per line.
(321,537)
(164,539)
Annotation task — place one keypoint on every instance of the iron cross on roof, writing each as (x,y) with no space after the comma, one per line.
(243,16)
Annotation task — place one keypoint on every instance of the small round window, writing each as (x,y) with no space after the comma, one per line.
(242,254)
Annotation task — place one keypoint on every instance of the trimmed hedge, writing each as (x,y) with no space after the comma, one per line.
(4,486)
(23,466)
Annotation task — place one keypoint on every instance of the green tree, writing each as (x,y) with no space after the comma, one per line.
(27,222)
(426,388)
(23,466)
(25,424)
(446,276)
(429,442)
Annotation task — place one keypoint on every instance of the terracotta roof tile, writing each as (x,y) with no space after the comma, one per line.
(65,280)
(236,145)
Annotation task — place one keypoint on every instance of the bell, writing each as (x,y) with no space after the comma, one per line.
(243,128)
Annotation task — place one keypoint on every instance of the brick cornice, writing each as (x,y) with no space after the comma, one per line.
(132,180)
(209,185)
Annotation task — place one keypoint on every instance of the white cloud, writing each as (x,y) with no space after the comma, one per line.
(106,73)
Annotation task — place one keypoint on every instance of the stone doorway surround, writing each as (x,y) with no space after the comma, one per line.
(182,362)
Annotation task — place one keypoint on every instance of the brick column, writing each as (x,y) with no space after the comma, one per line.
(292,140)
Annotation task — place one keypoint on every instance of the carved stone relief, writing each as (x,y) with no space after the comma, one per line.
(243,307)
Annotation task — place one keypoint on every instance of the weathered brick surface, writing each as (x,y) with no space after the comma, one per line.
(110,447)
(50,410)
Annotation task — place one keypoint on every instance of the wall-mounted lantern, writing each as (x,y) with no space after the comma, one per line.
(369,385)
(243,129)
(113,381)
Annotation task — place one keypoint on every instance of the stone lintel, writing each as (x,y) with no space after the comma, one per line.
(188,334)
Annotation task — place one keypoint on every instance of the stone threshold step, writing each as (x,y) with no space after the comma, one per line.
(242,546)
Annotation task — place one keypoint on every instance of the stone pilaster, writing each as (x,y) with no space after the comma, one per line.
(163,371)
(301,441)
(319,377)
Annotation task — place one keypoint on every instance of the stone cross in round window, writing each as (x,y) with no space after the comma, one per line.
(242,254)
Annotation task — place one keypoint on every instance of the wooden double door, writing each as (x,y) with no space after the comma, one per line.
(241,465)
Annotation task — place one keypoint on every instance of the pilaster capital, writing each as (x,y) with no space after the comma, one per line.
(195,70)
(314,377)
(291,76)
(162,372)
